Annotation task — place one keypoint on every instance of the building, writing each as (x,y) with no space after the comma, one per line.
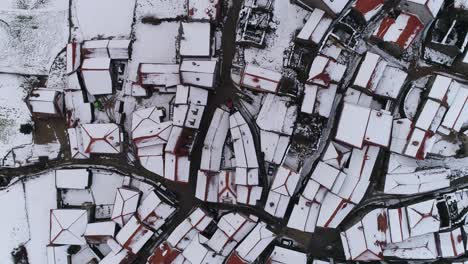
(133,235)
(281,191)
(365,239)
(276,122)
(281,255)
(159,75)
(195,40)
(416,248)
(377,77)
(189,106)
(153,212)
(260,79)
(125,205)
(200,73)
(252,246)
(368,9)
(45,103)
(73,57)
(333,8)
(100,232)
(396,35)
(101,138)
(67,226)
(214,141)
(315,28)
(78,179)
(426,10)
(359,125)
(97,76)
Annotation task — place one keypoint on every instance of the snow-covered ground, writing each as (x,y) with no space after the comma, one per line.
(161,9)
(43,33)
(102,19)
(41,197)
(13,225)
(34,4)
(25,220)
(13,113)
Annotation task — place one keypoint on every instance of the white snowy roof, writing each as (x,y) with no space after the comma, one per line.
(401,31)
(304,214)
(364,240)
(284,255)
(273,146)
(325,174)
(73,57)
(261,79)
(336,155)
(360,124)
(325,70)
(67,226)
(451,244)
(333,211)
(72,178)
(440,88)
(244,148)
(199,72)
(148,205)
(379,128)
(316,26)
(308,102)
(423,218)
(125,205)
(159,74)
(195,40)
(419,247)
(277,114)
(427,115)
(255,243)
(133,235)
(97,76)
(398,224)
(214,141)
(366,71)
(198,221)
(352,125)
(101,138)
(457,115)
(417,182)
(101,229)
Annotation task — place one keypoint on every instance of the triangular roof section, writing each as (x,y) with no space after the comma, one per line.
(67,226)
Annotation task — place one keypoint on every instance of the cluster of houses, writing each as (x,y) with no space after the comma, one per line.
(423,231)
(163,146)
(229,170)
(105,224)
(233,239)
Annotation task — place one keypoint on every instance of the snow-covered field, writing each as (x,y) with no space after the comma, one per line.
(103,18)
(13,225)
(43,33)
(34,4)
(13,113)
(25,219)
(161,9)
